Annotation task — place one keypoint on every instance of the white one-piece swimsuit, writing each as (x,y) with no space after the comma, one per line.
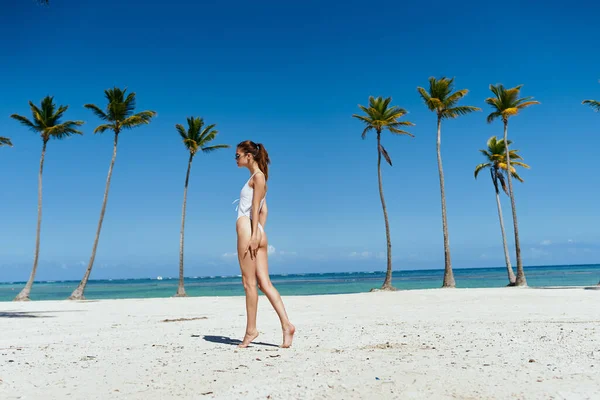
(244,207)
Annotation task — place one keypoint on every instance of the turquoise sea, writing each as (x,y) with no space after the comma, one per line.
(308,284)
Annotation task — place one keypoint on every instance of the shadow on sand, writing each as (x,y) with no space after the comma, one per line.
(32,314)
(230,341)
(22,314)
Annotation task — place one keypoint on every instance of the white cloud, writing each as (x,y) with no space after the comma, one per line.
(534,252)
(287,253)
(546,242)
(364,254)
(271,250)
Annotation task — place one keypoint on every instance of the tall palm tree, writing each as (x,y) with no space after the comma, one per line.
(379,115)
(46,123)
(196,138)
(119,116)
(495,160)
(506,104)
(443,102)
(4,141)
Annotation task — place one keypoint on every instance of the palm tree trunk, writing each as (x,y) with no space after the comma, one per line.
(180,288)
(24,294)
(520,280)
(448,274)
(78,293)
(511,274)
(387,283)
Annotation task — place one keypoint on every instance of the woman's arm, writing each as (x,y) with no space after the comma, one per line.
(262,218)
(259,186)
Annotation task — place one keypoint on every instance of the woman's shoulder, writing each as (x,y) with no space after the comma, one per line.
(258,178)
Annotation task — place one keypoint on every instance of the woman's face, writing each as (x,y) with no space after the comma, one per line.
(242,159)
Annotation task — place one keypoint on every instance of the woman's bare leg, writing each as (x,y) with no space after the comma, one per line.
(248,268)
(266,286)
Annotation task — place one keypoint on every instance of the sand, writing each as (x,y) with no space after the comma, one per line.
(508,343)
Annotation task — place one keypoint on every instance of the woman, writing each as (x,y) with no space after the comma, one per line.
(252,241)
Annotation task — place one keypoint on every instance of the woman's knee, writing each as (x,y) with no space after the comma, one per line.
(249,284)
(264,284)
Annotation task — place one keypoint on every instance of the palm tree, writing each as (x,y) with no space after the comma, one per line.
(595,104)
(495,156)
(442,101)
(506,104)
(196,137)
(379,116)
(119,116)
(4,141)
(46,122)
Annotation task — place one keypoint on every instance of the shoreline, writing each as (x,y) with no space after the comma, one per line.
(319,273)
(398,290)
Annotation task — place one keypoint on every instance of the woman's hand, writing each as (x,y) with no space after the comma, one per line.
(253,247)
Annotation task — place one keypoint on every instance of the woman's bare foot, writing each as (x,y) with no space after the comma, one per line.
(288,336)
(248,338)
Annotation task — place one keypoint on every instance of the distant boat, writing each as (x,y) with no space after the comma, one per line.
(159,278)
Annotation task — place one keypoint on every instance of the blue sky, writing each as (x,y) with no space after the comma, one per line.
(290,76)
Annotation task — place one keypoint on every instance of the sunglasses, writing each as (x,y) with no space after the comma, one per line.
(237,156)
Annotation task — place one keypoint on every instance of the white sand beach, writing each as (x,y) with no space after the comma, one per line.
(508,343)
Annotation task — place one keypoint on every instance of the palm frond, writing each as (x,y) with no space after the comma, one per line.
(25,121)
(458,111)
(426,98)
(208,136)
(97,111)
(400,132)
(215,147)
(142,118)
(385,154)
(526,104)
(365,131)
(4,141)
(593,103)
(64,130)
(208,133)
(493,116)
(181,130)
(500,177)
(516,176)
(519,163)
(455,97)
(105,127)
(480,167)
(146,115)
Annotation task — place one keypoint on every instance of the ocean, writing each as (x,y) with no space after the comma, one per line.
(307,284)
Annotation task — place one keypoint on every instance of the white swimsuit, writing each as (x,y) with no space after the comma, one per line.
(244,207)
